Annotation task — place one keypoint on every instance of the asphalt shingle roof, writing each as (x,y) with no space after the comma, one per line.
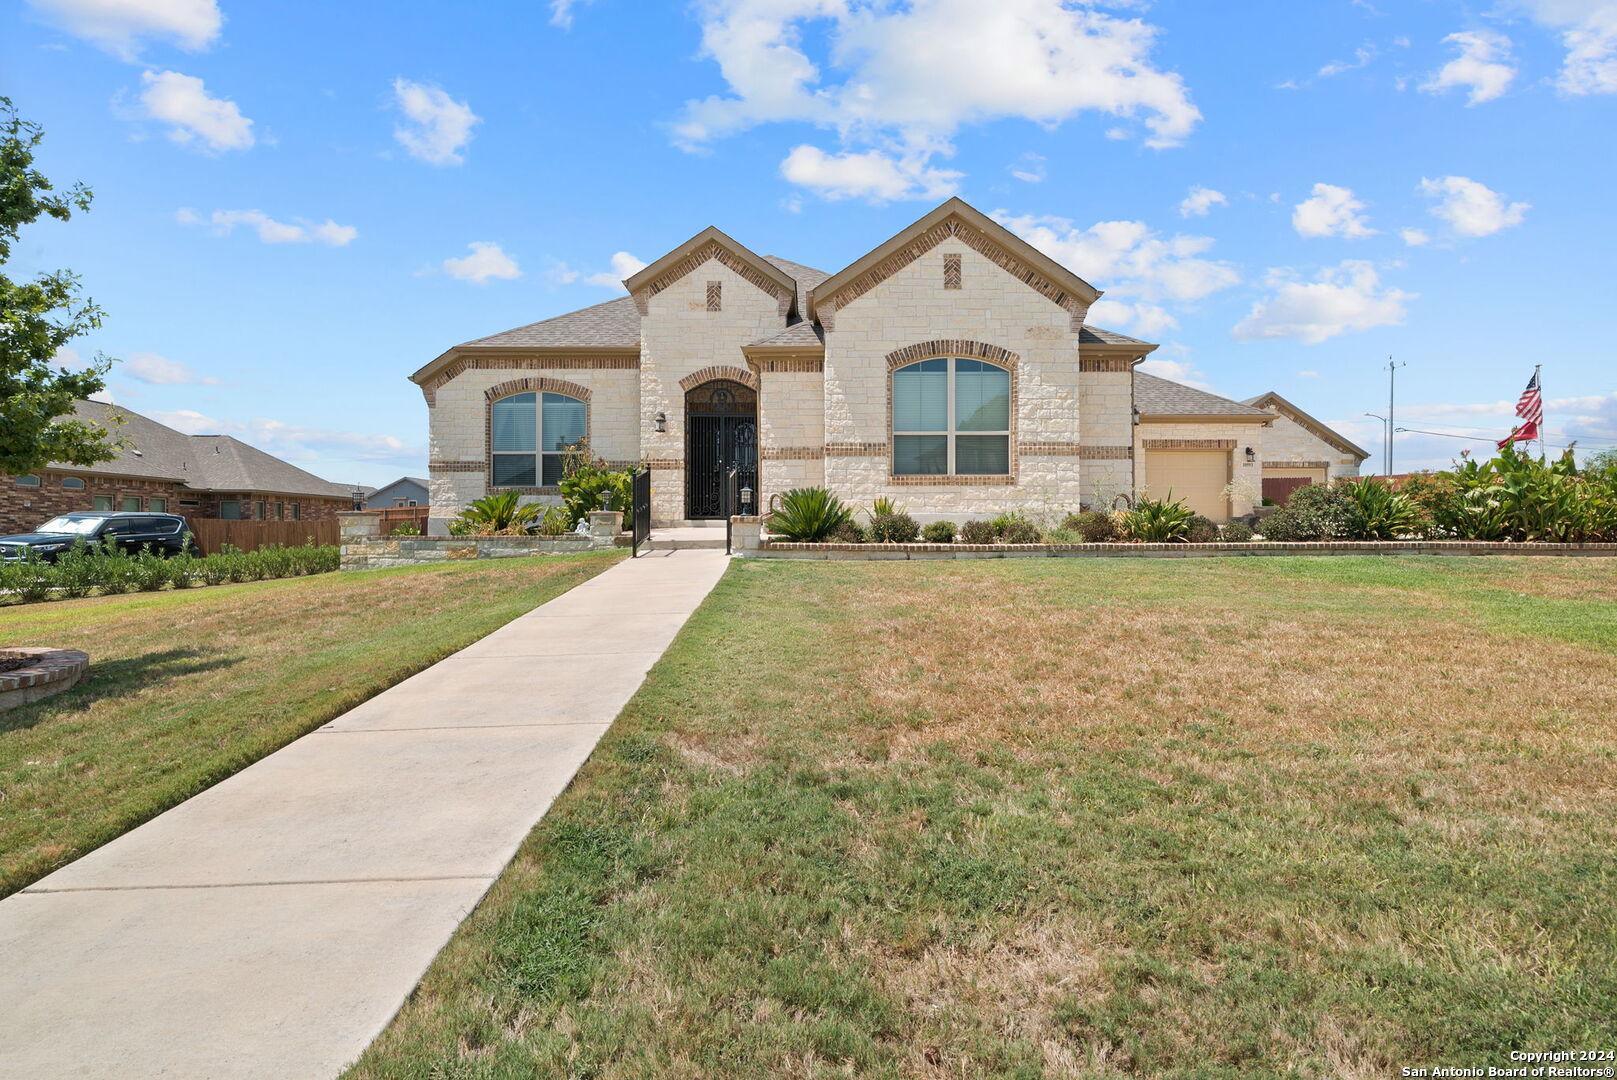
(614,324)
(1094,335)
(201,462)
(1161,397)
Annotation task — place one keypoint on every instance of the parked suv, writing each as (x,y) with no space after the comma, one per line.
(166,534)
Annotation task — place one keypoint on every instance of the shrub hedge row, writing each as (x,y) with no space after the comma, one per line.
(105,570)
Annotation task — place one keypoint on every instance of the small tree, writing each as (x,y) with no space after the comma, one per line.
(37,318)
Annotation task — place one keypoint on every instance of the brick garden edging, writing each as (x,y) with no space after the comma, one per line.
(52,671)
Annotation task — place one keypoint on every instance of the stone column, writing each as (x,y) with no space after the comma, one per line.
(604,527)
(355,533)
(746,533)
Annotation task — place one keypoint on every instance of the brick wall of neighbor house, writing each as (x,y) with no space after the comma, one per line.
(23,509)
(1288,441)
(1248,473)
(681,335)
(791,432)
(458,447)
(990,306)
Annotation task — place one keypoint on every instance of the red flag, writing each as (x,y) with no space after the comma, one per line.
(1530,407)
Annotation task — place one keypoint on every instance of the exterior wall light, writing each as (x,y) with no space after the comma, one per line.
(1251,455)
(746,500)
(662,421)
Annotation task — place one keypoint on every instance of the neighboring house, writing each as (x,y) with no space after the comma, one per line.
(405,491)
(161,470)
(950,368)
(1299,450)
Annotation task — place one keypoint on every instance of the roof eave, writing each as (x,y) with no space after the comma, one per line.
(1137,352)
(955,206)
(712,234)
(1317,426)
(454,352)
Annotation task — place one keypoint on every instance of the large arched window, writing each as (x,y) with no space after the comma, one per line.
(951,417)
(529,433)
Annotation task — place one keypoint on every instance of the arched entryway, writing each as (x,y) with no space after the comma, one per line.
(721,433)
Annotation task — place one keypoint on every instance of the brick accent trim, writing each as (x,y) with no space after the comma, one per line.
(793,453)
(715,296)
(711,250)
(664,463)
(787,364)
(951,271)
(455,466)
(540,385)
(537,362)
(951,481)
(1296,464)
(718,371)
(975,350)
(1190,444)
(1107,364)
(856,449)
(983,245)
(1077,450)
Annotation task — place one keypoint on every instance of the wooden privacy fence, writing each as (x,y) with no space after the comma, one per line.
(394,516)
(212,534)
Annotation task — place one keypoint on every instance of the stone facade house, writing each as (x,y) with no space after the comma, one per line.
(1299,450)
(160,470)
(952,368)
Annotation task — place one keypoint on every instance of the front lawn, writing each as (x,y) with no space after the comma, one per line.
(1056,818)
(188,687)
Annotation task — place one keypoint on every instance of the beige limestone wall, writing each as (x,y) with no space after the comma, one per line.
(912,306)
(791,431)
(680,336)
(1246,476)
(1288,441)
(1106,411)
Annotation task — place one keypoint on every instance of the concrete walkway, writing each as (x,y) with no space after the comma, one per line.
(272,925)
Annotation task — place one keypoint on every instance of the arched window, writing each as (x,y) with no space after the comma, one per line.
(528,436)
(951,417)
(73,483)
(28,480)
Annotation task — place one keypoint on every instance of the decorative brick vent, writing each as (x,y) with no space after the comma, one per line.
(715,296)
(44,672)
(951,271)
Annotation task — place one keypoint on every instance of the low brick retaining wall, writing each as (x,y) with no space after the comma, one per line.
(749,544)
(49,671)
(364,548)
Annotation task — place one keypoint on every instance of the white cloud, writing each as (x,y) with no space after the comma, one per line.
(1415,237)
(439,126)
(1472,209)
(119,26)
(486,261)
(1589,32)
(293,441)
(270,231)
(1200,201)
(1030,170)
(1484,66)
(1180,371)
(1309,375)
(160,371)
(561,12)
(871,175)
(1140,269)
(70,359)
(1331,211)
(624,265)
(1344,298)
(905,79)
(1361,58)
(182,102)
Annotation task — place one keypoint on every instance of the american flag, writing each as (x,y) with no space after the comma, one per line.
(1530,408)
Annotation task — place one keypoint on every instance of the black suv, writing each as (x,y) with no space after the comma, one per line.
(166,534)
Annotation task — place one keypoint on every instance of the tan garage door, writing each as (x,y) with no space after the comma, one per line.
(1196,476)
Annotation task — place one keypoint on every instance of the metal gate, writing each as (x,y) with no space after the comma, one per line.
(721,434)
(640,507)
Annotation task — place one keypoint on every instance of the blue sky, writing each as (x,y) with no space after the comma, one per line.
(298,204)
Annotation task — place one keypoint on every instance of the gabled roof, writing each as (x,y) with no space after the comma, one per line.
(1094,335)
(1273,402)
(612,325)
(1163,399)
(1057,279)
(202,462)
(680,261)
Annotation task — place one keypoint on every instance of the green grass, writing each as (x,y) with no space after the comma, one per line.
(1049,818)
(187,687)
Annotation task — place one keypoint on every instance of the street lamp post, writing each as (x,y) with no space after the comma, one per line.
(1386,443)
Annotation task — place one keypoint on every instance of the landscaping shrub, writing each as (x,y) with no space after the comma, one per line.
(1314,512)
(1159,521)
(104,568)
(1015,529)
(808,515)
(978,532)
(894,529)
(148,571)
(585,478)
(884,506)
(504,514)
(1091,526)
(1383,513)
(76,570)
(1237,531)
(408,528)
(1201,530)
(849,532)
(554,522)
(938,532)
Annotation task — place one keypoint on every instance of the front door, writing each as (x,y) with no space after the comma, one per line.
(721,433)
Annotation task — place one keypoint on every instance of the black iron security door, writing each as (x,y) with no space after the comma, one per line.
(721,433)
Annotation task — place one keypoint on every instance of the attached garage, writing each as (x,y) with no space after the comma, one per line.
(1198,477)
(1279,483)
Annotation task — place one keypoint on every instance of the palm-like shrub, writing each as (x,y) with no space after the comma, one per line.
(1381,513)
(499,515)
(1159,521)
(883,506)
(808,515)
